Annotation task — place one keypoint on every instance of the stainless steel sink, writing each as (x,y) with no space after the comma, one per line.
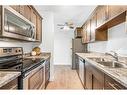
(110,64)
(113,64)
(97,59)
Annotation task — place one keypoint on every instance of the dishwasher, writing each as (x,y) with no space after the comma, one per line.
(82,70)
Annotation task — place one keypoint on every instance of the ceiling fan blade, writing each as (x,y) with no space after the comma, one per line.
(60,24)
(61,27)
(71,27)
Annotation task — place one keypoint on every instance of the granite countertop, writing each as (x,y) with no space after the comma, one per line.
(44,55)
(118,74)
(7,76)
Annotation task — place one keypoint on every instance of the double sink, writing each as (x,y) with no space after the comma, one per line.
(110,64)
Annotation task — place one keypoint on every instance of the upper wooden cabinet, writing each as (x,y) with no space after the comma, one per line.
(27,12)
(78,32)
(39,29)
(30,13)
(102,15)
(103,18)
(16,7)
(93,27)
(88,30)
(114,10)
(84,33)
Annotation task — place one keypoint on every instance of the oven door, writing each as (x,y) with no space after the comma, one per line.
(35,79)
(16,26)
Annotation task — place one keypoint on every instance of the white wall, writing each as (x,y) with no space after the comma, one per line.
(62,47)
(117,41)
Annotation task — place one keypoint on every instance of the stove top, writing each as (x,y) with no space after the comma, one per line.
(31,63)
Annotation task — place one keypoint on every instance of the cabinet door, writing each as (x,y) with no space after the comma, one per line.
(15,7)
(78,32)
(88,31)
(112,84)
(102,15)
(84,34)
(22,10)
(88,79)
(93,26)
(114,10)
(27,12)
(97,79)
(39,29)
(88,75)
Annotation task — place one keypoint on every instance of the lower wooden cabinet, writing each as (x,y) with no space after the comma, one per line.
(12,85)
(96,79)
(112,84)
(88,79)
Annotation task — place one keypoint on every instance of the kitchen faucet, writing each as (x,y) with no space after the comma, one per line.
(114,55)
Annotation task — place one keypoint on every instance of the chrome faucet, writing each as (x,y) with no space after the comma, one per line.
(114,55)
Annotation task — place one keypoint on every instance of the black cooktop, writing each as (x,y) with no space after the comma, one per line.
(31,63)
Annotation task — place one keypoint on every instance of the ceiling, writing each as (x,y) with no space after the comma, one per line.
(76,14)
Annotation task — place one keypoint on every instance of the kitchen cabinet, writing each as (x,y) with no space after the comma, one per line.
(47,72)
(27,12)
(97,79)
(111,84)
(93,27)
(12,85)
(88,75)
(84,33)
(39,29)
(16,7)
(88,30)
(114,10)
(78,32)
(94,77)
(102,15)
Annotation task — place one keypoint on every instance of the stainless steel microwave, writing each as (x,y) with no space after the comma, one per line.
(14,25)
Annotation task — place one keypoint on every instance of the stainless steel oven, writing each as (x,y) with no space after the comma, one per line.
(16,26)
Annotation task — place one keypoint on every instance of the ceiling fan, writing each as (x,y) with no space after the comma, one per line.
(66,26)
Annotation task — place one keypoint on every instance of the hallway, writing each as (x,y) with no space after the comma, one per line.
(65,78)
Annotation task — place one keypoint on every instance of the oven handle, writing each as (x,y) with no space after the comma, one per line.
(34,70)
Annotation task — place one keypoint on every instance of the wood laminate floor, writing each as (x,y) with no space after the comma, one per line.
(65,78)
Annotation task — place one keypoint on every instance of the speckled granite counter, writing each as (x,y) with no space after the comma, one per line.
(42,55)
(118,74)
(6,77)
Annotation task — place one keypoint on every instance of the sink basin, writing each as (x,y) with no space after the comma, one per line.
(110,64)
(97,59)
(113,64)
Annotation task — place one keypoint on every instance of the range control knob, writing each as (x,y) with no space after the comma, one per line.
(16,51)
